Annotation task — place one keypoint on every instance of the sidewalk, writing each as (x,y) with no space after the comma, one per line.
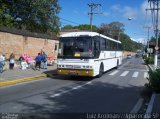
(17,75)
(153,106)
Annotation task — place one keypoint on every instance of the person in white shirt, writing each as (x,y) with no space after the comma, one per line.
(2,62)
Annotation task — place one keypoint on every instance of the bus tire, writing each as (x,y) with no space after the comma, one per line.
(101,70)
(117,64)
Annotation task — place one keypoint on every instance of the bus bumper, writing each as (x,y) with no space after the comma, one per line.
(76,72)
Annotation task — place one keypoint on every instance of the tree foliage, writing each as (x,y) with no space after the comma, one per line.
(153,39)
(37,15)
(112,29)
(84,27)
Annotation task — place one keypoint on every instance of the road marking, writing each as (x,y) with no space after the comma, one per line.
(89,82)
(113,73)
(135,74)
(124,73)
(76,87)
(66,91)
(145,75)
(150,105)
(56,95)
(133,69)
(146,67)
(138,105)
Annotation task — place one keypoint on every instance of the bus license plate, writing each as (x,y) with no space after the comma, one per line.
(72,72)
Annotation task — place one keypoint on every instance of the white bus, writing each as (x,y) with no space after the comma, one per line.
(87,54)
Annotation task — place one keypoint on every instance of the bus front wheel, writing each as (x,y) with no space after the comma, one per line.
(117,64)
(101,69)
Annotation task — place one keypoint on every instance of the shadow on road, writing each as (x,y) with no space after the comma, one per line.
(99,97)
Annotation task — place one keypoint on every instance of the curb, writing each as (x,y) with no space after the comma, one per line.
(16,81)
(152,99)
(150,68)
(150,105)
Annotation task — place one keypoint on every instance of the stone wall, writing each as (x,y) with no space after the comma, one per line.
(20,44)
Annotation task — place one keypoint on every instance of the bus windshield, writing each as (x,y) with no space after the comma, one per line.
(75,47)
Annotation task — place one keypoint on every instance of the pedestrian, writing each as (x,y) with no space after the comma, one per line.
(38,60)
(11,61)
(44,60)
(2,63)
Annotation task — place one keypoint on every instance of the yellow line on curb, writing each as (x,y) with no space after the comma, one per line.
(15,81)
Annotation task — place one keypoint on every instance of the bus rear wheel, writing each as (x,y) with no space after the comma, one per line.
(101,70)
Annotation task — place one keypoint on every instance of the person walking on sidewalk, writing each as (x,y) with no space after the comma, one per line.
(44,60)
(38,60)
(2,62)
(11,61)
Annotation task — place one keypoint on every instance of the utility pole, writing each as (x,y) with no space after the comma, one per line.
(155,8)
(148,28)
(93,6)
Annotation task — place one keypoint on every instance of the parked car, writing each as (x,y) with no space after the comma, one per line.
(129,56)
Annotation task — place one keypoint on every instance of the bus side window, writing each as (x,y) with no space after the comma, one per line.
(107,44)
(103,44)
(96,47)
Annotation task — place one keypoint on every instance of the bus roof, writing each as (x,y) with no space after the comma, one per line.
(84,33)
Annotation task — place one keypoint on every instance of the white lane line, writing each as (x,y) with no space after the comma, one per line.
(138,105)
(66,91)
(113,73)
(145,75)
(124,73)
(55,95)
(135,74)
(150,105)
(76,87)
(89,82)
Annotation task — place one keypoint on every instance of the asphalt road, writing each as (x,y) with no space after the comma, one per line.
(117,91)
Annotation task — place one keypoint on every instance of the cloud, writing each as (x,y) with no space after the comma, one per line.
(129,12)
(126,11)
(106,14)
(139,40)
(116,8)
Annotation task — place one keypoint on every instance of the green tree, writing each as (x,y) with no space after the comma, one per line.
(127,43)
(66,27)
(82,27)
(5,17)
(86,27)
(36,16)
(153,39)
(113,29)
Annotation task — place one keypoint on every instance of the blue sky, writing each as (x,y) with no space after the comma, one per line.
(76,11)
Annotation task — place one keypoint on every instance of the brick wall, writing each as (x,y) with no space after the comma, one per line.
(19,44)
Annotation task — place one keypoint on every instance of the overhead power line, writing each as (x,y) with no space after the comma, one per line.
(154,7)
(93,6)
